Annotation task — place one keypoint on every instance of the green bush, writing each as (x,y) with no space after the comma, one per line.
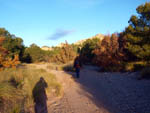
(34,54)
(86,53)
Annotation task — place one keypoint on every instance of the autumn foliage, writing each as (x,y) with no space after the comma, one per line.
(7,62)
(117,51)
(65,54)
(107,53)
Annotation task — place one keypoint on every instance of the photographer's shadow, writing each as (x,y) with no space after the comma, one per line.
(40,97)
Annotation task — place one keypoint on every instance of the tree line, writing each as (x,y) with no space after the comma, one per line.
(114,52)
(118,51)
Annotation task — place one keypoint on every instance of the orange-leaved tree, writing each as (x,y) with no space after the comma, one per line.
(107,53)
(66,54)
(6,62)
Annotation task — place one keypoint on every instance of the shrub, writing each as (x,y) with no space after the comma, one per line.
(68,67)
(107,54)
(86,53)
(34,54)
(66,54)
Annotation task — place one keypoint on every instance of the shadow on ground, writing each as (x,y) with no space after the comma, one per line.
(115,92)
(94,87)
(40,97)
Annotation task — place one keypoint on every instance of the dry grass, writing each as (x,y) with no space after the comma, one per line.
(17,85)
(65,67)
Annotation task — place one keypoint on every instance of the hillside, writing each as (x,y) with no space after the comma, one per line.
(80,42)
(100,36)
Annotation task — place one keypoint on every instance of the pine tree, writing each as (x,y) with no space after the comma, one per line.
(138,33)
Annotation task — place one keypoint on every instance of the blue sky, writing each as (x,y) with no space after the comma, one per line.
(50,22)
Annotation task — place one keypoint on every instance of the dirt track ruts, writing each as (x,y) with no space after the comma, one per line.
(96,92)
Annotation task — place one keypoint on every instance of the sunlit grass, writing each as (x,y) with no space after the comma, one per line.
(17,84)
(61,67)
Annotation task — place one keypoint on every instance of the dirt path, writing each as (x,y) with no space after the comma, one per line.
(96,92)
(75,99)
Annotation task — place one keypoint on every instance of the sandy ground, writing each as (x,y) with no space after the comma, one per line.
(96,92)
